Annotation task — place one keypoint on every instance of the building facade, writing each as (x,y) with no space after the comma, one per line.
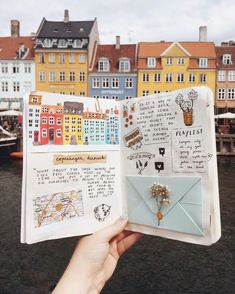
(62,55)
(34,111)
(94,127)
(112,126)
(113,72)
(225,80)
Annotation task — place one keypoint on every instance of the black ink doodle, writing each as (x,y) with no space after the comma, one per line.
(101,212)
(159,166)
(141,155)
(141,166)
(162,151)
(133,139)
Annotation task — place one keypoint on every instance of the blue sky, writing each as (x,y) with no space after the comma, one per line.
(134,21)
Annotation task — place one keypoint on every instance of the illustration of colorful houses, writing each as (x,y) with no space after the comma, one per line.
(34,110)
(72,123)
(51,124)
(112,126)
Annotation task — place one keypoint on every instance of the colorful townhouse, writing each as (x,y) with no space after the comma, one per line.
(112,74)
(225,82)
(34,110)
(166,66)
(51,124)
(112,126)
(63,52)
(17,69)
(73,123)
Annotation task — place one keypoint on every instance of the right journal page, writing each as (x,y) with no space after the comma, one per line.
(169,167)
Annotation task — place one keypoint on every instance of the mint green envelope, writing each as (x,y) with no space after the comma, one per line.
(183,214)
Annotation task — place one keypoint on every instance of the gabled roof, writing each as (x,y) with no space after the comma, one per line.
(220,51)
(114,55)
(61,29)
(9,46)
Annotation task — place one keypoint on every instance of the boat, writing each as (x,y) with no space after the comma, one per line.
(8,143)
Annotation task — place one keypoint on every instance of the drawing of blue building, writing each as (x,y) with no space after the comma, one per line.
(112,126)
(113,74)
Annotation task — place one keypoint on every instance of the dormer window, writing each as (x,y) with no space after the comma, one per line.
(124,65)
(103,64)
(77,43)
(203,62)
(227,59)
(47,43)
(151,62)
(62,43)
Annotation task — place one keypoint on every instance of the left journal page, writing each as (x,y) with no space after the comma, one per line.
(71,175)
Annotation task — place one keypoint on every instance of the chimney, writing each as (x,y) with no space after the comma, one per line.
(15,28)
(117,46)
(66,16)
(203,34)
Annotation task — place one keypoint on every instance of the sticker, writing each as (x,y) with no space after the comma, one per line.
(101,212)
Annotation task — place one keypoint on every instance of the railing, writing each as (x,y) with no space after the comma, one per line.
(225,144)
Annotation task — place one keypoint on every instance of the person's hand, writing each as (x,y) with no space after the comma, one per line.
(95,259)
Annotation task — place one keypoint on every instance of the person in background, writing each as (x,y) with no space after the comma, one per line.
(95,259)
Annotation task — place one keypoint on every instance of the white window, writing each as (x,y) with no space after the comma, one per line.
(129,83)
(103,65)
(61,58)
(58,133)
(105,97)
(105,82)
(72,76)
(231,75)
(15,68)
(203,78)
(42,76)
(95,83)
(44,120)
(4,86)
(82,93)
(59,121)
(27,68)
(145,77)
(71,58)
(169,61)
(66,129)
(47,43)
(96,96)
(180,77)
(231,94)
(4,68)
(156,92)
(151,62)
(221,75)
(77,43)
(82,76)
(72,93)
(82,58)
(203,62)
(157,77)
(192,78)
(73,129)
(180,60)
(62,76)
(115,83)
(16,86)
(124,65)
(128,97)
(44,133)
(227,59)
(221,94)
(145,93)
(52,57)
(168,77)
(51,120)
(51,76)
(41,57)
(66,120)
(62,43)
(115,98)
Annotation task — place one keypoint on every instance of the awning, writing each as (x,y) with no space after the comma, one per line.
(10,113)
(4,105)
(227,115)
(15,105)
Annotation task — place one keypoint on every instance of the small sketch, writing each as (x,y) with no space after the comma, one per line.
(140,166)
(209,156)
(159,166)
(162,151)
(141,155)
(133,139)
(101,212)
(128,114)
(187,106)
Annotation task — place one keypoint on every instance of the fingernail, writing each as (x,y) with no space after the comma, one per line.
(124,216)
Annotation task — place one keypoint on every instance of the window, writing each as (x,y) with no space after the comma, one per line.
(95,83)
(169,61)
(180,60)
(16,86)
(71,58)
(82,58)
(203,78)
(73,129)
(72,93)
(51,57)
(168,77)
(180,77)
(231,94)
(27,68)
(115,83)
(42,76)
(221,76)
(203,62)
(105,83)
(105,97)
(62,76)
(15,68)
(4,86)
(221,94)
(156,92)
(51,120)
(191,78)
(145,77)
(72,76)
(47,43)
(115,98)
(227,59)
(145,93)
(41,57)
(44,133)
(124,65)
(66,129)
(61,58)
(151,62)
(51,76)
(44,120)
(62,43)
(59,121)
(77,43)
(129,83)
(82,93)
(157,77)
(66,120)
(82,76)
(4,68)
(231,75)
(128,97)
(58,133)
(96,96)
(103,65)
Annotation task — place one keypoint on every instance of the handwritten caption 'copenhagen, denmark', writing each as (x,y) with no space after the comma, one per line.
(79,158)
(154,119)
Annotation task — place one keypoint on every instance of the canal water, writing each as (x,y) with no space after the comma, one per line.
(154,265)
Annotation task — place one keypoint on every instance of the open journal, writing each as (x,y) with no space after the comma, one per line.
(87,161)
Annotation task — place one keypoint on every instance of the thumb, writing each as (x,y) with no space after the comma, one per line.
(107,233)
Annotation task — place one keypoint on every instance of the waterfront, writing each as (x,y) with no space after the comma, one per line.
(154,265)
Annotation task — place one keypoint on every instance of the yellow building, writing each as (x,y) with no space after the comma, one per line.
(167,66)
(63,53)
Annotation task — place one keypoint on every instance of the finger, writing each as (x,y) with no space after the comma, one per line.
(106,234)
(121,236)
(127,242)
